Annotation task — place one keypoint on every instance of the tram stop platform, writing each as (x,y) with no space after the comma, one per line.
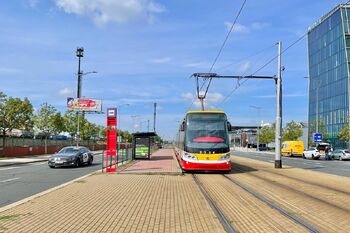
(162,161)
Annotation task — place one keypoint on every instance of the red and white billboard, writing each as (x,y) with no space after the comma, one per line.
(84,104)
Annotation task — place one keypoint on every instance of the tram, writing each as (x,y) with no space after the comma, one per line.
(202,142)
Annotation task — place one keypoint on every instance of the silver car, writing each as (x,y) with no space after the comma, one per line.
(345,155)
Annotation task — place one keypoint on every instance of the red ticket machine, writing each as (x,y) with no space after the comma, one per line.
(111,137)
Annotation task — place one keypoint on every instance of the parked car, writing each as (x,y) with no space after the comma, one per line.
(71,156)
(341,154)
(311,153)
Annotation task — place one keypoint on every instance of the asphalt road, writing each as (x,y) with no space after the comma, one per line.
(335,167)
(21,181)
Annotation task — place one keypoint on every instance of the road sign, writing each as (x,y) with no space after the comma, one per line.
(317,137)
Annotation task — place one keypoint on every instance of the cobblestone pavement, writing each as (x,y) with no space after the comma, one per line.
(162,161)
(116,203)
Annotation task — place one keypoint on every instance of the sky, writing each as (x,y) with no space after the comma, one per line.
(146,50)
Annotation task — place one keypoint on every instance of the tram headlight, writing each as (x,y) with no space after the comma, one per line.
(225,156)
(190,156)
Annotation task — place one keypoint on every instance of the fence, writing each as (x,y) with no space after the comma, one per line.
(26,146)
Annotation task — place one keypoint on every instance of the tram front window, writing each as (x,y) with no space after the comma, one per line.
(207,133)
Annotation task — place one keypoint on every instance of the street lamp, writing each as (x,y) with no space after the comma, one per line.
(133,121)
(258,129)
(80,54)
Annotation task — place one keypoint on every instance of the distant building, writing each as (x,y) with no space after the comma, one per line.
(329,51)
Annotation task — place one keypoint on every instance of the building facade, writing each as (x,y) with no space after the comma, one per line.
(329,54)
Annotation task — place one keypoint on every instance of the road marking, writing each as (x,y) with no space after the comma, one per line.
(8,180)
(8,168)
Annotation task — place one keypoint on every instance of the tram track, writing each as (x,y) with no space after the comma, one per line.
(315,207)
(299,192)
(218,212)
(284,212)
(298,180)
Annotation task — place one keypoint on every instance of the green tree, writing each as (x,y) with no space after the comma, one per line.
(70,122)
(48,121)
(267,134)
(89,130)
(344,133)
(292,131)
(14,114)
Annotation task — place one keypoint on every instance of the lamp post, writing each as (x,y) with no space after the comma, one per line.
(80,54)
(258,127)
(133,121)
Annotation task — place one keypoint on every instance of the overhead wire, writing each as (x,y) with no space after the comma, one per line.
(217,57)
(221,48)
(239,84)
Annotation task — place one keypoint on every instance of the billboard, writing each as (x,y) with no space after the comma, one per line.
(84,104)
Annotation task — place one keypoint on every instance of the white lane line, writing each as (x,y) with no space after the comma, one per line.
(8,180)
(8,168)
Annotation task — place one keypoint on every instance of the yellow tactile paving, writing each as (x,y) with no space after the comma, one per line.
(116,203)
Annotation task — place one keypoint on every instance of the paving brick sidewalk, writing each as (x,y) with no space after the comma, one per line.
(116,203)
(162,161)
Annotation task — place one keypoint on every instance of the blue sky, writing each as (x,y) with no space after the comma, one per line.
(145,51)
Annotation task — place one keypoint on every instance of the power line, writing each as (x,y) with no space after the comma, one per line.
(218,55)
(263,66)
(245,58)
(223,45)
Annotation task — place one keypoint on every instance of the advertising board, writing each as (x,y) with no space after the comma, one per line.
(84,104)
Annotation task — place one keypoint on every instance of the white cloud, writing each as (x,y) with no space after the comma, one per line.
(259,25)
(114,11)
(65,92)
(160,60)
(33,3)
(244,67)
(239,28)
(210,101)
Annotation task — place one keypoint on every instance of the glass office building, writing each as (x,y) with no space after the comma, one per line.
(329,53)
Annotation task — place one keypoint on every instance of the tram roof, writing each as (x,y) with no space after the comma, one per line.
(205,111)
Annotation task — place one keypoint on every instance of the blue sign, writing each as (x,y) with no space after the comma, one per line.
(317,137)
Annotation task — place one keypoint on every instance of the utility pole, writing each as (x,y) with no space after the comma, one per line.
(154,117)
(80,54)
(147,125)
(278,137)
(278,82)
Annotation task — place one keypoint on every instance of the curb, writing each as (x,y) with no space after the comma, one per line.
(2,209)
(21,163)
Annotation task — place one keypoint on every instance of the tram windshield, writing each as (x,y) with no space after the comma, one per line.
(207,132)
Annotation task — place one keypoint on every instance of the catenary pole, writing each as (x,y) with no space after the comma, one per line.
(278,161)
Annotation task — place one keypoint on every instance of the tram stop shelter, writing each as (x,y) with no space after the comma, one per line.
(143,145)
